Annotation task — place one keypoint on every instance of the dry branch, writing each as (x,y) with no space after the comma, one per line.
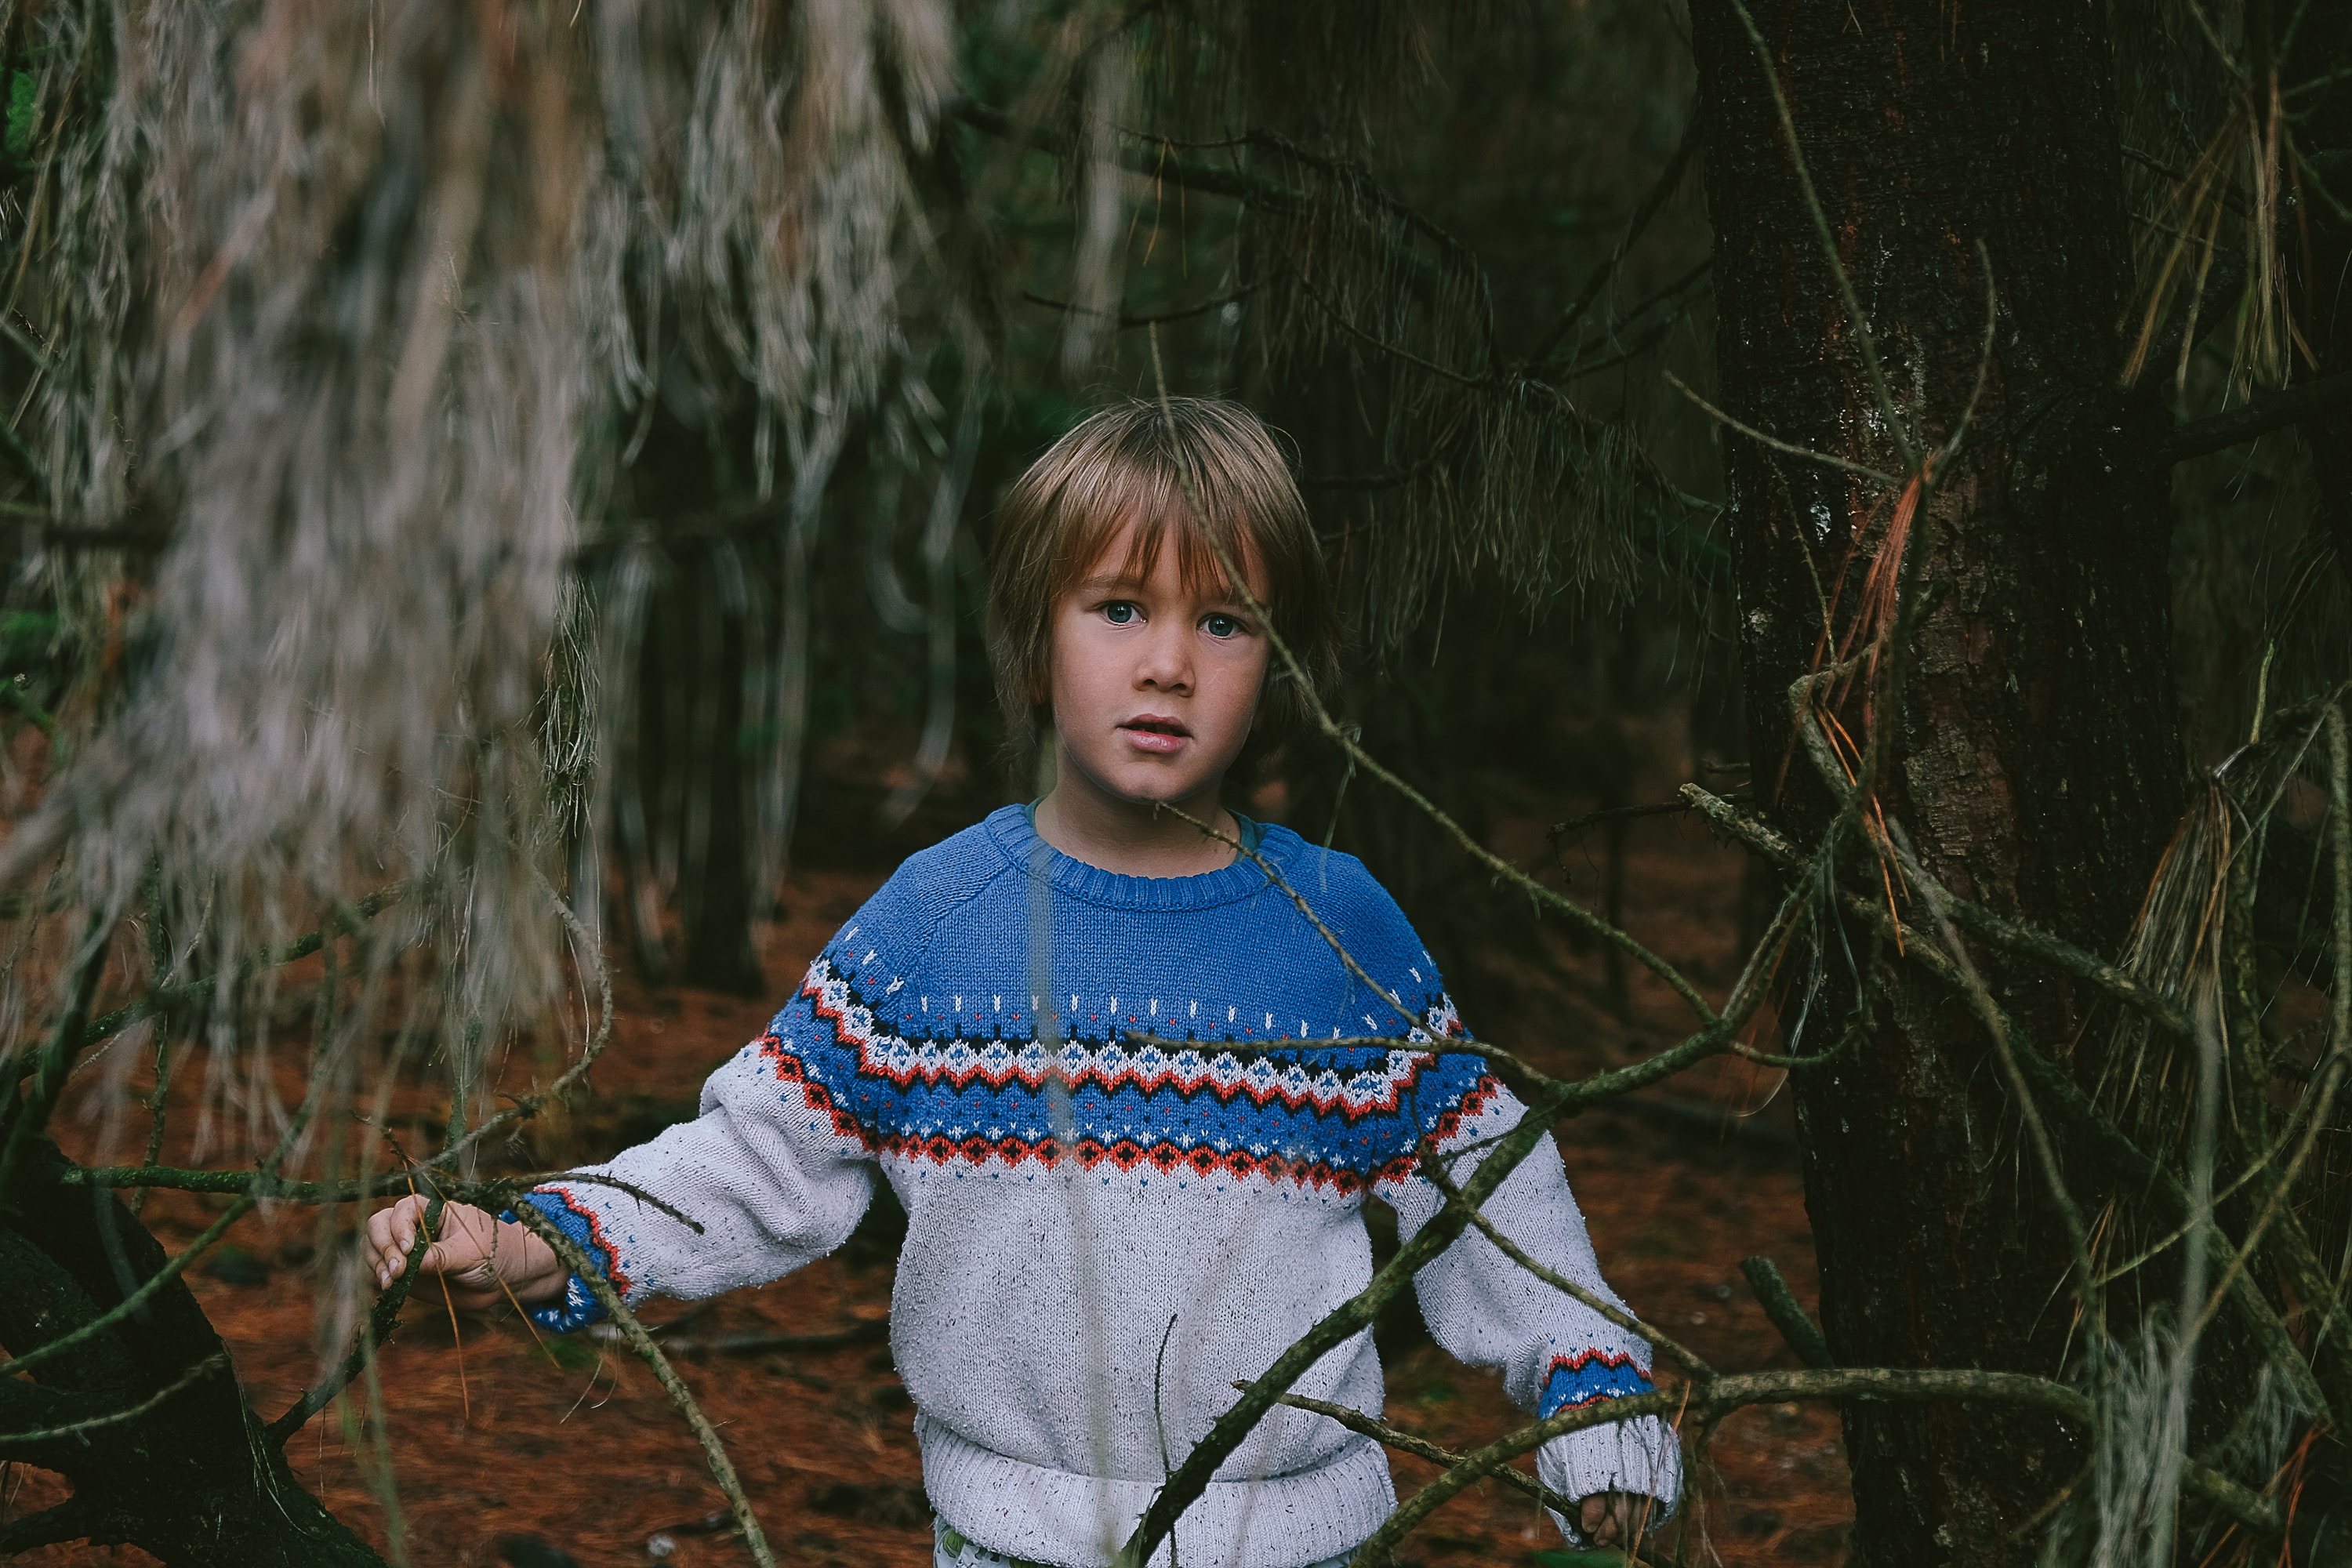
(185,1382)
(1786,1312)
(722,1469)
(2254,419)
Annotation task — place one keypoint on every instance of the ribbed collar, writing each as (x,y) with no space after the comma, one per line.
(1009,829)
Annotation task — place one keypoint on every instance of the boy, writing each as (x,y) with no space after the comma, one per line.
(1104,1233)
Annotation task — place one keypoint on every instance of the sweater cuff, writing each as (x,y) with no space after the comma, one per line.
(579,1307)
(1642,1456)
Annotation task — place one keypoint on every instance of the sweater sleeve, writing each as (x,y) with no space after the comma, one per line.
(767,1175)
(1552,1350)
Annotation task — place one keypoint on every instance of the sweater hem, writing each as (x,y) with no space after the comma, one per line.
(1020,1510)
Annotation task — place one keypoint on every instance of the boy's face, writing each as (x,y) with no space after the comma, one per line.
(1154,685)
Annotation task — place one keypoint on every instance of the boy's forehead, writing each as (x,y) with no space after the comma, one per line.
(1138,550)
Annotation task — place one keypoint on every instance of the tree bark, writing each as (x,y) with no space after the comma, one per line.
(194,1480)
(2315,237)
(2034,764)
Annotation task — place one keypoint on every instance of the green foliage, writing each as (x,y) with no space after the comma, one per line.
(24,112)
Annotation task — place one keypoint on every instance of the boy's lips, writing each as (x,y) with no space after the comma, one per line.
(1155,732)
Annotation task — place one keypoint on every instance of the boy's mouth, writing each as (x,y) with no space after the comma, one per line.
(1156,733)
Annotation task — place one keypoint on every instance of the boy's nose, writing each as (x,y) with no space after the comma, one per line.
(1163,666)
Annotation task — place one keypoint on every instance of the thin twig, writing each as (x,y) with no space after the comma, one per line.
(382,1321)
(722,1469)
(1996,1025)
(495,1194)
(1525,1081)
(1786,1313)
(212,1364)
(1976,921)
(1560,830)
(1343,1322)
(302,947)
(1434,1170)
(2100,1131)
(49,1067)
(2254,419)
(1864,470)
(1663,187)
(1895,427)
(1125,320)
(1422,1449)
(263,1185)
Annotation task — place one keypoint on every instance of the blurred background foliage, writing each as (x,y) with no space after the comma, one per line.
(527,453)
(1452,252)
(1567,656)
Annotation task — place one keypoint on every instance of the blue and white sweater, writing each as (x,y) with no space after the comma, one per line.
(1076,1202)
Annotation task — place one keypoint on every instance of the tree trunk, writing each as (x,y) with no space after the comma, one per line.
(2315,237)
(194,1480)
(2035,766)
(692,759)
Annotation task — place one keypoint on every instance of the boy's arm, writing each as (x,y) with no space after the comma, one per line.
(767,1178)
(1553,1350)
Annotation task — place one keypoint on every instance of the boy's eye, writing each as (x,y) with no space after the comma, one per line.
(1118,612)
(1220,626)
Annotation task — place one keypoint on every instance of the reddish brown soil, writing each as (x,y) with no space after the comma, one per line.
(493,1437)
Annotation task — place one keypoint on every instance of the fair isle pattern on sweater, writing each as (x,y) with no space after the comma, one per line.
(1114,1217)
(1329,1119)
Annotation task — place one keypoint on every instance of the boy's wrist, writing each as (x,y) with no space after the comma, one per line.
(530,1269)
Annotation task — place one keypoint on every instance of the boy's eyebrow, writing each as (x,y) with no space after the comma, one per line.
(1105,582)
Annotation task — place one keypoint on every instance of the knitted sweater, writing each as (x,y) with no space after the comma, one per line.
(1104,1235)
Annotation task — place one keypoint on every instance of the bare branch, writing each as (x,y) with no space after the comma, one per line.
(1787,1314)
(1125,320)
(1523,1081)
(1860,324)
(1422,1449)
(1669,179)
(1432,1168)
(49,1066)
(722,1469)
(300,948)
(1238,183)
(1336,1327)
(1975,919)
(2058,1086)
(381,1321)
(178,1386)
(1862,470)
(71,1520)
(2254,419)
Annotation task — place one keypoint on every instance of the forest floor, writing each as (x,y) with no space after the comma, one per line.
(505,1448)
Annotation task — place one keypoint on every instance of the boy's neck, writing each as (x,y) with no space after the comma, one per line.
(1131,838)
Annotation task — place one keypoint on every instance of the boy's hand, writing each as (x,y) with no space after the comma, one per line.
(472,1253)
(1615,1519)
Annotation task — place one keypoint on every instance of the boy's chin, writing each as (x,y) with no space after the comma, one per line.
(1144,783)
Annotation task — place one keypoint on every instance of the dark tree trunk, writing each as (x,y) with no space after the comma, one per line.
(194,1480)
(692,761)
(2035,764)
(2316,238)
(719,904)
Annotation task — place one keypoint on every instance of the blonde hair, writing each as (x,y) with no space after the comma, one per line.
(1205,470)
